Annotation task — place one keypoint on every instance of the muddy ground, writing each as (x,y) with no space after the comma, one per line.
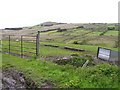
(15,80)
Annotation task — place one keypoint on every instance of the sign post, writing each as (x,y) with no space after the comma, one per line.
(104,53)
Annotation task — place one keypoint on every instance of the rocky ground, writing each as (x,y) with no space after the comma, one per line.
(15,80)
(12,80)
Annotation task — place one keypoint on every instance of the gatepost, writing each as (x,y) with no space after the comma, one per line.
(38,44)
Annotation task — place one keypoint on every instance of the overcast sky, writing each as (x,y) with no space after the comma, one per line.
(18,13)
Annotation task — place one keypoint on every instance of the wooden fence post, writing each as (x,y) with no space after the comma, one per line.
(37,43)
(9,44)
(21,47)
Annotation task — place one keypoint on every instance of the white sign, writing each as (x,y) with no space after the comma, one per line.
(104,54)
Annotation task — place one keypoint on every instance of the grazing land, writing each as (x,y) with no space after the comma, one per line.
(64,51)
(46,73)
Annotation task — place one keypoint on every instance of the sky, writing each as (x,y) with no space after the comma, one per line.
(19,13)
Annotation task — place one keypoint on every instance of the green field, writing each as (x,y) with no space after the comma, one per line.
(63,68)
(99,76)
(83,37)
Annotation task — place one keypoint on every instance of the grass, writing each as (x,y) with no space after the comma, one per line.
(50,51)
(68,74)
(76,61)
(92,48)
(0,60)
(44,51)
(112,33)
(100,76)
(91,37)
(95,33)
(91,45)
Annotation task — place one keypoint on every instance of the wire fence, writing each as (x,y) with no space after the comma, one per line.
(22,45)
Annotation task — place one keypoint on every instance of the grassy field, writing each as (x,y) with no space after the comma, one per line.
(0,60)
(67,39)
(48,68)
(44,51)
(88,40)
(83,37)
(41,72)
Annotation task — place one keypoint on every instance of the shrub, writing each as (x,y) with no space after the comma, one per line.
(111,28)
(75,42)
(103,33)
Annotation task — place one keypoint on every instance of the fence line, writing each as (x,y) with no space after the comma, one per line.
(22,46)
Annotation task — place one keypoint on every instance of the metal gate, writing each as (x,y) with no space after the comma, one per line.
(21,45)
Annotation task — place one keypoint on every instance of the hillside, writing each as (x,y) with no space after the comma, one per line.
(45,74)
(67,57)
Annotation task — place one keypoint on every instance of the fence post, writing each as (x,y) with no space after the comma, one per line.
(21,46)
(9,44)
(37,43)
(110,55)
(98,52)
